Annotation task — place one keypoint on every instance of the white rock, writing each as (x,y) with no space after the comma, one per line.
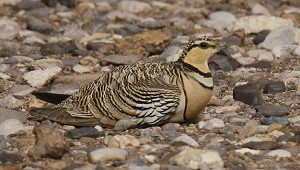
(214,123)
(11,126)
(275,134)
(9,101)
(78,68)
(9,2)
(134,6)
(280,153)
(283,51)
(39,78)
(103,6)
(295,121)
(129,17)
(9,29)
(123,141)
(280,36)
(107,154)
(187,140)
(48,63)
(172,53)
(4,76)
(261,54)
(259,9)
(249,139)
(247,150)
(219,20)
(255,24)
(245,60)
(194,158)
(231,108)
(297,51)
(22,59)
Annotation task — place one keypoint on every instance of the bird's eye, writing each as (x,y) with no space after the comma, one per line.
(204,45)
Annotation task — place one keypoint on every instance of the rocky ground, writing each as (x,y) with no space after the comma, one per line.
(252,122)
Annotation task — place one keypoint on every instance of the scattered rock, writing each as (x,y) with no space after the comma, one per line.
(186,140)
(280,153)
(196,158)
(260,64)
(84,132)
(248,93)
(255,24)
(263,145)
(6,114)
(11,102)
(134,6)
(9,157)
(123,141)
(107,154)
(212,124)
(78,68)
(39,78)
(48,63)
(8,29)
(274,87)
(273,110)
(247,150)
(3,142)
(11,126)
(50,142)
(38,25)
(273,119)
(60,48)
(121,59)
(260,36)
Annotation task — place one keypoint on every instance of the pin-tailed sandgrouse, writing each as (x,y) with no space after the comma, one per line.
(143,94)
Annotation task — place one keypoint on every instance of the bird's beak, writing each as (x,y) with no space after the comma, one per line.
(222,45)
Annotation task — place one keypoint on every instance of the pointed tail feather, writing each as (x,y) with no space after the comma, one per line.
(61,116)
(50,97)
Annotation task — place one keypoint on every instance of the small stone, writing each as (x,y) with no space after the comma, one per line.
(39,78)
(9,29)
(68,3)
(259,9)
(119,15)
(35,56)
(50,142)
(249,129)
(84,132)
(260,64)
(219,20)
(248,93)
(274,87)
(295,121)
(273,110)
(121,59)
(10,158)
(194,158)
(134,6)
(281,36)
(214,123)
(171,127)
(107,154)
(247,150)
(280,153)
(10,60)
(153,24)
(38,25)
(186,140)
(260,36)
(11,126)
(6,114)
(263,145)
(3,142)
(48,63)
(261,54)
(255,24)
(123,141)
(273,119)
(78,68)
(60,48)
(11,102)
(149,133)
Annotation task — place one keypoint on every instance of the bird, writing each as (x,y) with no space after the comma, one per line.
(143,94)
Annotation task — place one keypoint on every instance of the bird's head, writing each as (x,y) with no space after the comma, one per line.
(198,51)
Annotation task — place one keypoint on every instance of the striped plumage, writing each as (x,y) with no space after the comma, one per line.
(143,94)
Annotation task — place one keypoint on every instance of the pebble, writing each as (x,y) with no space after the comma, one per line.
(11,126)
(281,153)
(261,54)
(6,114)
(39,78)
(274,87)
(260,36)
(107,154)
(84,132)
(248,93)
(259,9)
(194,158)
(273,110)
(220,20)
(153,24)
(78,68)
(9,29)
(3,142)
(273,119)
(212,124)
(50,142)
(280,36)
(251,128)
(186,140)
(63,47)
(123,141)
(48,63)
(295,120)
(35,56)
(38,25)
(11,102)
(247,150)
(120,15)
(255,24)
(263,145)
(10,158)
(134,6)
